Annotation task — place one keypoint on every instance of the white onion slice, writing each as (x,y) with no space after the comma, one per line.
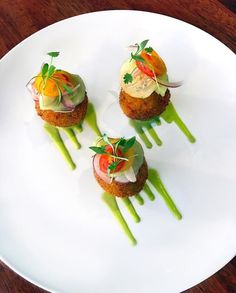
(130,175)
(66,101)
(169,84)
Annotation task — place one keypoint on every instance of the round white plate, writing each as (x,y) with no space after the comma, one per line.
(54,228)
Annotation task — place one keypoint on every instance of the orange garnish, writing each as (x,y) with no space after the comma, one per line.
(154,62)
(57,80)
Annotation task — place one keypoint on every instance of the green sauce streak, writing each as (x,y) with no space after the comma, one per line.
(127,202)
(156,182)
(54,134)
(110,200)
(155,137)
(155,179)
(78,128)
(148,192)
(91,119)
(56,138)
(139,127)
(139,199)
(170,115)
(71,135)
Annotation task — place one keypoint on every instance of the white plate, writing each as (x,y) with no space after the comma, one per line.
(54,229)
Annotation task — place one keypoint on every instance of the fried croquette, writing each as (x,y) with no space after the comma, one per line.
(125,189)
(143,109)
(64,119)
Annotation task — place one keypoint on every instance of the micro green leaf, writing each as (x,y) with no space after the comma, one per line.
(143,45)
(98,150)
(106,139)
(59,92)
(120,142)
(140,48)
(113,165)
(149,49)
(44,69)
(68,89)
(128,144)
(51,70)
(128,78)
(53,54)
(137,57)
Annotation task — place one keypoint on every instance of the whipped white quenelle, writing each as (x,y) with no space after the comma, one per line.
(66,102)
(142,86)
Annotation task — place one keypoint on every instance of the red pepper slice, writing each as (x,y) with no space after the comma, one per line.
(141,66)
(152,63)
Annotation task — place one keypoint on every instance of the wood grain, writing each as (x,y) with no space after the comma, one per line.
(20,18)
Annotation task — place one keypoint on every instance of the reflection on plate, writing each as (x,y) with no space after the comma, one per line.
(54,228)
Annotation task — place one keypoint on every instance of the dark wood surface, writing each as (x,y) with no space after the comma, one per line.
(21,18)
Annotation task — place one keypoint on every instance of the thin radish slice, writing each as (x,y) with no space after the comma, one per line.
(132,47)
(96,167)
(30,87)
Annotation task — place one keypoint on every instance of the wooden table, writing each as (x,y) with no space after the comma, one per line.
(21,18)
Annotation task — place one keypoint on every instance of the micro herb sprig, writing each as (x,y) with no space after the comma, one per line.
(140,47)
(112,167)
(128,78)
(47,72)
(128,144)
(98,150)
(59,93)
(106,139)
(122,143)
(149,49)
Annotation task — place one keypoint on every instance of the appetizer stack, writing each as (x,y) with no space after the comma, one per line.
(60,97)
(145,95)
(144,84)
(61,101)
(119,166)
(121,170)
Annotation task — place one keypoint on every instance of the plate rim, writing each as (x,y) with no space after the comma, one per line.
(115,11)
(107,12)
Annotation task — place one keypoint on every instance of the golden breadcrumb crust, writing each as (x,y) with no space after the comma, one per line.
(143,109)
(64,119)
(125,189)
